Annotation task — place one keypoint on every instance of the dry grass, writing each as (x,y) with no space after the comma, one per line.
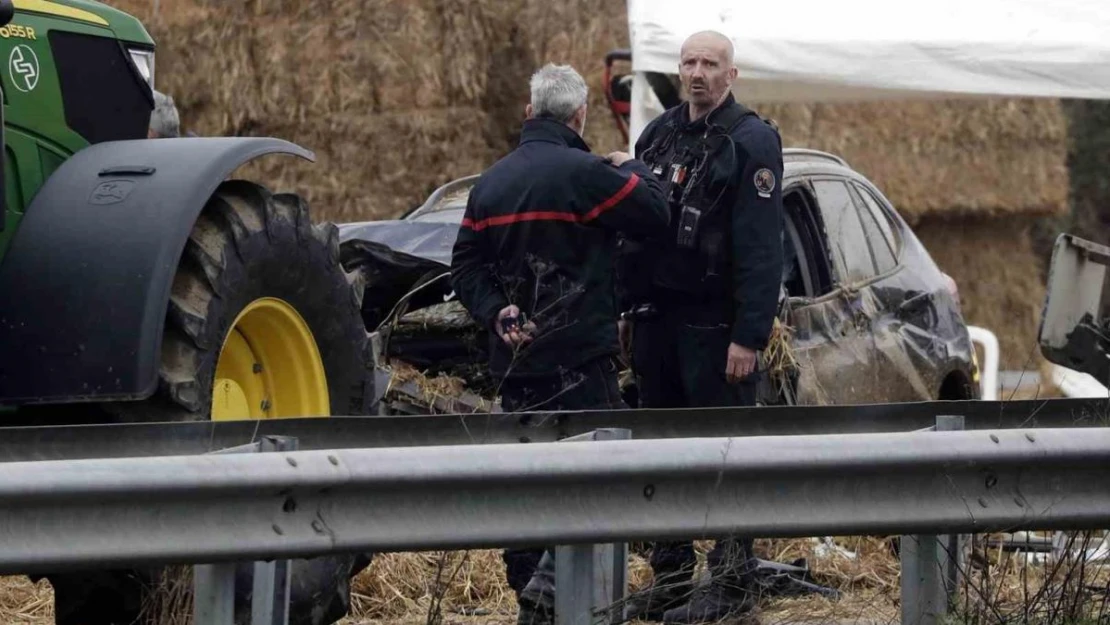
(400,588)
(437,387)
(469,587)
(866,572)
(778,358)
(403,585)
(24,603)
(1007,587)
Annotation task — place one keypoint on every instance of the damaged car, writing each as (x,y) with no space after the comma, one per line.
(865,315)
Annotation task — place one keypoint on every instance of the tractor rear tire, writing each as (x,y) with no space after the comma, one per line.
(247,246)
(251,250)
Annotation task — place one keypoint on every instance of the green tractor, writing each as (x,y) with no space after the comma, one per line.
(139,282)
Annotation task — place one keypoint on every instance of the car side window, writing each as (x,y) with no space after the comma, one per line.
(880,230)
(845,232)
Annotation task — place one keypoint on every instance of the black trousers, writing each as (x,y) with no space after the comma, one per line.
(592,386)
(680,356)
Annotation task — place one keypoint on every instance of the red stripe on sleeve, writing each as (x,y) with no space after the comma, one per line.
(505,220)
(614,200)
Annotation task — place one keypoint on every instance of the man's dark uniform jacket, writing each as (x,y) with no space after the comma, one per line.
(540,232)
(733,266)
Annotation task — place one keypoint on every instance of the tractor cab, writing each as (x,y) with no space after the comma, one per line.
(73,73)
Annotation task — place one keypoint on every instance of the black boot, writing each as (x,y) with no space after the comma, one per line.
(718,600)
(537,600)
(667,590)
(520,565)
(731,592)
(672,565)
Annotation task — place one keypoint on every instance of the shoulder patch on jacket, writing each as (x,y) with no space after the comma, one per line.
(764,182)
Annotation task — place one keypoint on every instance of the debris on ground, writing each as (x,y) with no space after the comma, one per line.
(412,391)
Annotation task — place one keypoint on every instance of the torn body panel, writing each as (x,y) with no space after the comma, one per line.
(834,357)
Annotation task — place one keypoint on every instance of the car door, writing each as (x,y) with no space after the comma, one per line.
(903,327)
(833,342)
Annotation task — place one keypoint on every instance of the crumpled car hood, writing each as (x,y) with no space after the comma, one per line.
(428,240)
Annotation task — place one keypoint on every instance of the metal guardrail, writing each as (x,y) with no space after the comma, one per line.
(241,507)
(162,439)
(204,498)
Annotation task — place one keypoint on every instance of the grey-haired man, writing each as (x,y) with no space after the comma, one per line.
(533,263)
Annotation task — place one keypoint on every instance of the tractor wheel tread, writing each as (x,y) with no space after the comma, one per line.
(222,211)
(252,201)
(294,209)
(328,234)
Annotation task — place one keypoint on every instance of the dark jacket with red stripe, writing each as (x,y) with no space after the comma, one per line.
(540,232)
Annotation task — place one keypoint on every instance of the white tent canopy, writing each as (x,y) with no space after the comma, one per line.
(817,50)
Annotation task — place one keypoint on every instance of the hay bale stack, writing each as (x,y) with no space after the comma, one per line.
(975,158)
(395,96)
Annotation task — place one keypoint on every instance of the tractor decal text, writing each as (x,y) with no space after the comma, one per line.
(18,31)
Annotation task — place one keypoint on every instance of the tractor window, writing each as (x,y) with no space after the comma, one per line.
(104,97)
(847,239)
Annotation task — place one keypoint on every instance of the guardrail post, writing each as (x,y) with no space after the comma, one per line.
(270,591)
(929,575)
(214,584)
(954,552)
(214,594)
(589,579)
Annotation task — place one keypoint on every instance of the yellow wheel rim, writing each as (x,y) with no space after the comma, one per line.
(269,367)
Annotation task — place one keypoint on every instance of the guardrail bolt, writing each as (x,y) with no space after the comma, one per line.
(292,461)
(992,481)
(649,491)
(333,460)
(994,438)
(982,502)
(318,527)
(1019,502)
(278,530)
(1032,439)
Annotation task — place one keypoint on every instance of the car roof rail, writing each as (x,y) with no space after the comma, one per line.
(807,154)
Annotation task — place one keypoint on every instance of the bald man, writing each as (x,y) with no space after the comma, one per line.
(702,301)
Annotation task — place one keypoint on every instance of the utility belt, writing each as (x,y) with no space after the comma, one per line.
(717,311)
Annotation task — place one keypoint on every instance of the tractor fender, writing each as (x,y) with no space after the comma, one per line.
(85,284)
